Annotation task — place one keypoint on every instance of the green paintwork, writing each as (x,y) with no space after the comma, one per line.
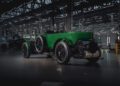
(70,37)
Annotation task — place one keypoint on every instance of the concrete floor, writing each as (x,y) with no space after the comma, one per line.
(41,71)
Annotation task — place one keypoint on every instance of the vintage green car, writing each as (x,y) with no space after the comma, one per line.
(64,45)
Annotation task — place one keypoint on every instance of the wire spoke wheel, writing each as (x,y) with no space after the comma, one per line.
(62,53)
(39,44)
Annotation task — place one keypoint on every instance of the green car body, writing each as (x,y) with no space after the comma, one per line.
(62,44)
(70,37)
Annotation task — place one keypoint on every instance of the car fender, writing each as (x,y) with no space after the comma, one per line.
(26,44)
(69,42)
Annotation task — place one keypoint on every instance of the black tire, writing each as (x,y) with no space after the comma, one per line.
(62,52)
(26,51)
(39,44)
(32,47)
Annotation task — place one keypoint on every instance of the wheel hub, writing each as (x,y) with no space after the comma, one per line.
(61,52)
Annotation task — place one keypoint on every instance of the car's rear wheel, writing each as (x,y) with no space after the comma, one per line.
(39,44)
(62,52)
(26,51)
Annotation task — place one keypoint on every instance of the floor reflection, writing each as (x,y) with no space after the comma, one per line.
(38,70)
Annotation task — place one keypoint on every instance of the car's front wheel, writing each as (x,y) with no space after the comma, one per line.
(62,52)
(26,52)
(39,44)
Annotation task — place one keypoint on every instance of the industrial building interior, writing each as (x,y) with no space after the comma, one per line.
(22,18)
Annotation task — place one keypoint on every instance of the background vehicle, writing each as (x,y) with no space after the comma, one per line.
(64,45)
(3,43)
